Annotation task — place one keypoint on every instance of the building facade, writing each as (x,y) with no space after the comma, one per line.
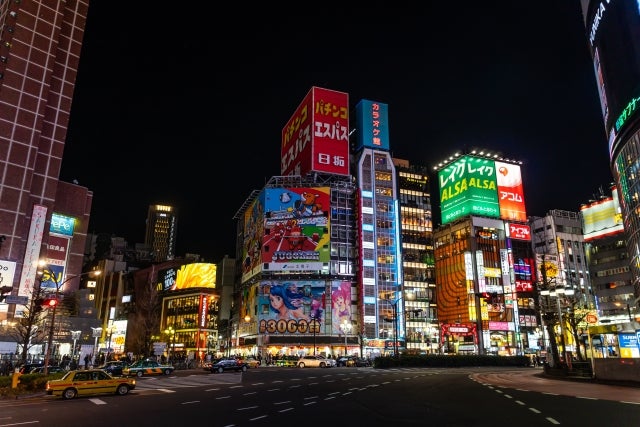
(40,46)
(613,37)
(418,262)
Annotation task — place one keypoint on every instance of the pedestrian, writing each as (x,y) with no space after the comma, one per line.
(86,361)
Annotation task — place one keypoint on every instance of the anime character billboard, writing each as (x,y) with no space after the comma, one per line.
(296,225)
(252,240)
(291,307)
(340,305)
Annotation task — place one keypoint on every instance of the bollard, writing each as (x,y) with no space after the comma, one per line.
(15,379)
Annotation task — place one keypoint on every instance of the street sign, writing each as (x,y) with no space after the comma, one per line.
(16,299)
(592,318)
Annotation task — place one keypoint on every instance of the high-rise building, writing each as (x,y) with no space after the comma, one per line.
(162,228)
(613,37)
(483,215)
(418,263)
(607,258)
(40,47)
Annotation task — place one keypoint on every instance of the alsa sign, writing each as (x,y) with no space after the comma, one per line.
(520,232)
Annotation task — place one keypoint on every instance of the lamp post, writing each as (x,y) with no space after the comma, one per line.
(75,335)
(313,329)
(172,338)
(111,329)
(54,304)
(97,333)
(345,326)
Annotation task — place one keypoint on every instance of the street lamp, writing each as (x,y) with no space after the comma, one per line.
(111,329)
(97,333)
(75,335)
(314,329)
(172,337)
(345,327)
(53,304)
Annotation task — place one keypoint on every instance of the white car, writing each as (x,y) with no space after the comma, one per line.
(315,362)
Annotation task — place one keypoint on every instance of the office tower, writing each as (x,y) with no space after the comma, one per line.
(40,47)
(162,228)
(417,257)
(483,215)
(605,245)
(613,36)
(380,280)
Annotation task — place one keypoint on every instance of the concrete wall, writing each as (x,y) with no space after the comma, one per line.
(618,369)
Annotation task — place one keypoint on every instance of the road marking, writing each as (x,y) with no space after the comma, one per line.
(98,401)
(166,390)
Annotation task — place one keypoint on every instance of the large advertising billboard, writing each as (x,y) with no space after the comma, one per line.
(602,218)
(372,120)
(613,33)
(468,187)
(291,307)
(252,239)
(510,192)
(195,275)
(316,137)
(296,230)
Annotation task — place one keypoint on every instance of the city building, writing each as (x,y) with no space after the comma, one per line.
(160,235)
(613,37)
(418,262)
(563,279)
(482,215)
(40,47)
(605,244)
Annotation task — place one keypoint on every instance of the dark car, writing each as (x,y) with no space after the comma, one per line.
(50,370)
(228,365)
(363,362)
(346,361)
(113,367)
(27,368)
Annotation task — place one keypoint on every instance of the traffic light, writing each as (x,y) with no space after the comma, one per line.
(49,302)
(486,296)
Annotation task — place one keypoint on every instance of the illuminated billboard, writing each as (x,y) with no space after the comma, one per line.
(252,239)
(468,187)
(195,275)
(296,229)
(613,34)
(291,307)
(602,218)
(510,192)
(62,224)
(316,137)
(372,121)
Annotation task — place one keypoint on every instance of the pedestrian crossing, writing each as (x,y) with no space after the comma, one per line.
(172,382)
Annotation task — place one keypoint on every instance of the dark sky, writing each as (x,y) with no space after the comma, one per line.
(185,107)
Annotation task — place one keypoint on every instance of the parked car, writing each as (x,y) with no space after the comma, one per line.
(251,362)
(113,367)
(28,367)
(147,367)
(228,365)
(50,370)
(88,382)
(315,362)
(346,361)
(363,362)
(288,361)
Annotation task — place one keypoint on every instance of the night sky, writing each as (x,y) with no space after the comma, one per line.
(186,107)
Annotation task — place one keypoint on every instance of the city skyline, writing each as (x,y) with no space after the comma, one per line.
(192,113)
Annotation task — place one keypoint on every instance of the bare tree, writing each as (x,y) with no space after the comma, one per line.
(29,329)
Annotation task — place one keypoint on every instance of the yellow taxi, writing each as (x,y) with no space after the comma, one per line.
(147,367)
(89,382)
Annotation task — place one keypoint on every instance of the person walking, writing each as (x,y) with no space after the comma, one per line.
(86,361)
